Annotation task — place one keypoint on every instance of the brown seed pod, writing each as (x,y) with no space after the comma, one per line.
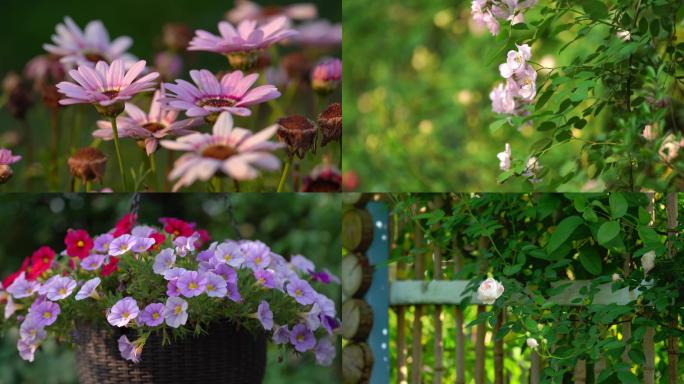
(88,164)
(299,133)
(330,121)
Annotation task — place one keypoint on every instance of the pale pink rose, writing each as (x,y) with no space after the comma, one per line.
(649,133)
(616,277)
(505,158)
(532,343)
(489,291)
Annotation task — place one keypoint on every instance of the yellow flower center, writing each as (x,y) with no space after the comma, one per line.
(300,337)
(62,291)
(257,260)
(228,257)
(47,315)
(261,280)
(155,315)
(210,287)
(178,310)
(80,244)
(192,286)
(298,292)
(125,315)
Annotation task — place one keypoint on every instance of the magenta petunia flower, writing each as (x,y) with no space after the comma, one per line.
(265,315)
(6,157)
(235,152)
(164,261)
(88,289)
(302,338)
(325,351)
(22,288)
(122,244)
(123,312)
(266,278)
(301,291)
(152,315)
(61,289)
(44,313)
(175,312)
(106,85)
(281,335)
(210,97)
(242,45)
(75,46)
(129,351)
(216,285)
(150,127)
(192,283)
(92,262)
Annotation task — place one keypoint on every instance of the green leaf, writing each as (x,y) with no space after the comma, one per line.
(565,228)
(595,8)
(607,232)
(496,125)
(591,260)
(627,377)
(649,236)
(618,205)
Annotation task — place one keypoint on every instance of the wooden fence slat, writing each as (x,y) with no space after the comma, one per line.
(460,337)
(417,350)
(535,368)
(498,351)
(481,327)
(671,209)
(580,372)
(401,310)
(649,346)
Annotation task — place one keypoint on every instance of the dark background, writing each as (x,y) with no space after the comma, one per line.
(290,223)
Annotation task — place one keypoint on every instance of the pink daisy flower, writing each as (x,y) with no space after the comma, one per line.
(149,127)
(235,152)
(319,33)
(242,45)
(106,85)
(6,157)
(210,97)
(76,46)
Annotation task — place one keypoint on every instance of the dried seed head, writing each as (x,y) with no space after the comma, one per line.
(299,133)
(323,178)
(177,36)
(51,96)
(20,98)
(5,173)
(88,164)
(330,121)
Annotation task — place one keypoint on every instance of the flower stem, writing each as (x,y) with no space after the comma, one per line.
(217,184)
(283,177)
(54,124)
(89,186)
(236,183)
(153,167)
(118,153)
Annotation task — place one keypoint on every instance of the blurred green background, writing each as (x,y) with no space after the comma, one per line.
(25,30)
(417,95)
(307,224)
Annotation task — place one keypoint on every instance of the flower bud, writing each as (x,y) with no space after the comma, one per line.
(330,122)
(616,277)
(176,36)
(88,164)
(323,178)
(532,343)
(326,76)
(5,173)
(299,133)
(110,111)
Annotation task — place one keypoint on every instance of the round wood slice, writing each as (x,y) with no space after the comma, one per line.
(357,363)
(358,275)
(356,199)
(357,230)
(357,320)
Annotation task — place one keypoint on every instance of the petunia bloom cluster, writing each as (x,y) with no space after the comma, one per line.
(491,13)
(520,87)
(184,275)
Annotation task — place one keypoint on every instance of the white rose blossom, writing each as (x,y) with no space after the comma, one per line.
(489,291)
(532,343)
(648,261)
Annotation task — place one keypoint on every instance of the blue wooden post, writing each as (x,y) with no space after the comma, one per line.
(378,294)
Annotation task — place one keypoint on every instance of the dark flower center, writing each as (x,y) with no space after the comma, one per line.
(219,152)
(111,93)
(217,102)
(94,57)
(153,127)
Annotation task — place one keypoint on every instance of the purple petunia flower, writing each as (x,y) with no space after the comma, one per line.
(265,315)
(266,278)
(174,273)
(164,261)
(233,293)
(21,287)
(229,253)
(61,289)
(172,288)
(129,351)
(301,291)
(44,313)
(325,351)
(152,315)
(106,85)
(216,285)
(26,349)
(185,244)
(211,97)
(142,244)
(31,331)
(302,338)
(235,152)
(101,243)
(92,262)
(281,335)
(123,312)
(302,264)
(121,245)
(175,312)
(227,273)
(46,285)
(88,289)
(192,283)
(258,255)
(10,307)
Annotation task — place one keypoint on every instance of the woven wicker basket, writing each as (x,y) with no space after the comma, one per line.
(224,355)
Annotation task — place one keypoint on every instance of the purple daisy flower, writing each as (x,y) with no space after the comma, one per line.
(164,261)
(265,315)
(123,312)
(216,285)
(211,97)
(44,313)
(302,338)
(325,351)
(175,312)
(21,287)
(266,278)
(281,335)
(88,289)
(129,351)
(192,283)
(101,243)
(152,315)
(242,45)
(235,152)
(229,253)
(106,85)
(92,262)
(6,157)
(76,46)
(122,244)
(301,291)
(150,127)
(61,289)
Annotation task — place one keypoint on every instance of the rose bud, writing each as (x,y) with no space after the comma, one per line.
(327,75)
(88,164)
(330,121)
(323,178)
(299,133)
